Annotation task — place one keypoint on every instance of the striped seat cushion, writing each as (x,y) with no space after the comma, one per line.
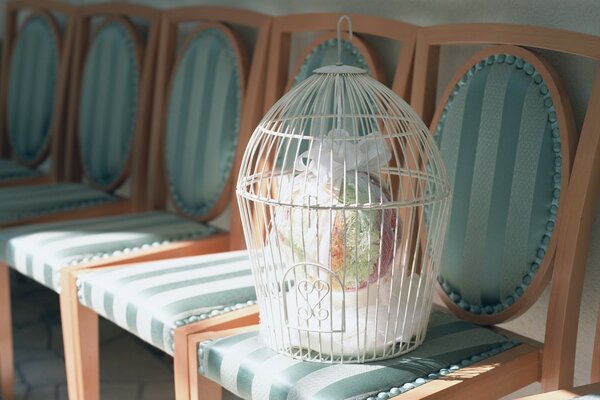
(151,299)
(40,251)
(10,169)
(38,200)
(244,366)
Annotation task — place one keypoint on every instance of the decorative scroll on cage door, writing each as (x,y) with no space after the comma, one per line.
(310,300)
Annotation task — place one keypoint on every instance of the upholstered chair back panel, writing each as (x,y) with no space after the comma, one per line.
(500,140)
(203,118)
(32,87)
(108,103)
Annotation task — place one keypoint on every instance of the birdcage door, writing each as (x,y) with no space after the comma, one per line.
(308,303)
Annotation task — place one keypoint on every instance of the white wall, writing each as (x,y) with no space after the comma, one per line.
(577,15)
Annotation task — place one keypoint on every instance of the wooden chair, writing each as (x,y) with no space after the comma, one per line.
(133,60)
(577,204)
(461,359)
(87,287)
(186,79)
(38,40)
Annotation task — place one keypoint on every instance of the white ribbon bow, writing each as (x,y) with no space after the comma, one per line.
(332,156)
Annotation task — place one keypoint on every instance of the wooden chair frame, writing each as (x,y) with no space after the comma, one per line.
(84,15)
(55,141)
(555,368)
(80,324)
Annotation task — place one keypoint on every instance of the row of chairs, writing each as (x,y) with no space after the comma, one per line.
(160,104)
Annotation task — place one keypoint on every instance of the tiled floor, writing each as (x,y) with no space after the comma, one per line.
(130,369)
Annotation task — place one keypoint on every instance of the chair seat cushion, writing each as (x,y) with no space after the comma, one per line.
(151,299)
(37,200)
(40,251)
(10,169)
(244,366)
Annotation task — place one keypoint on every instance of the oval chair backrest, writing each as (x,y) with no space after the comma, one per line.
(108,103)
(203,117)
(32,87)
(506,158)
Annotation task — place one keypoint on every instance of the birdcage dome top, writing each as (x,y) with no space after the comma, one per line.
(335,129)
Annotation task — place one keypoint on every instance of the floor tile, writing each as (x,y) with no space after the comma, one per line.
(50,371)
(130,368)
(158,391)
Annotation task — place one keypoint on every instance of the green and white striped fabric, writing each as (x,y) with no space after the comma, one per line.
(10,169)
(108,105)
(31,88)
(40,251)
(37,200)
(245,367)
(500,141)
(151,299)
(203,121)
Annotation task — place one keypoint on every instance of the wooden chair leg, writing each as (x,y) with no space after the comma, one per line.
(187,380)
(81,343)
(7,369)
(189,385)
(206,389)
(181,366)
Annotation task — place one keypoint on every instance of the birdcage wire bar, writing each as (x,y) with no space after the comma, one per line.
(344,201)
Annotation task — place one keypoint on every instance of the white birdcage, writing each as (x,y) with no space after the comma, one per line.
(344,201)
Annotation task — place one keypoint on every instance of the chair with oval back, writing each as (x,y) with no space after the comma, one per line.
(104,130)
(117,67)
(206,101)
(187,166)
(38,42)
(507,136)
